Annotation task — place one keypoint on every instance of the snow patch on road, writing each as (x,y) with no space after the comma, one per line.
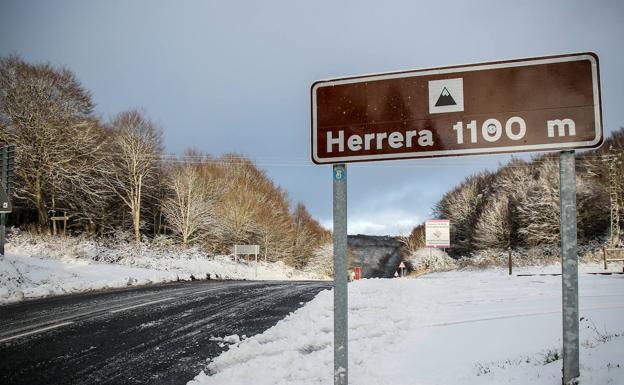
(233,339)
(459,327)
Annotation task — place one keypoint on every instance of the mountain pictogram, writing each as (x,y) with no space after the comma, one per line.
(445,99)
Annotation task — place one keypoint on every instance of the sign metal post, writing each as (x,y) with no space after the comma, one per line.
(341,346)
(569,266)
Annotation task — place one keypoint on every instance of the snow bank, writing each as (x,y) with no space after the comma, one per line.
(590,252)
(27,277)
(37,266)
(431,260)
(459,327)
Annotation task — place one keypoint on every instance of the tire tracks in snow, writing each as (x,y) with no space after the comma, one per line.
(159,336)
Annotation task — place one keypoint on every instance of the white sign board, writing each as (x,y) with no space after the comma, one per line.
(246,249)
(437,233)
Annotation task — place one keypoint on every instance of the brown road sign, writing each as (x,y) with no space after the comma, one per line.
(536,104)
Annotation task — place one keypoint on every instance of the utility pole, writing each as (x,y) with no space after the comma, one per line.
(612,161)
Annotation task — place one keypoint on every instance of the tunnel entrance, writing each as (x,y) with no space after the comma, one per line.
(378,256)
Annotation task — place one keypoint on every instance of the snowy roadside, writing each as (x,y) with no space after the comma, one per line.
(29,277)
(33,268)
(23,277)
(458,327)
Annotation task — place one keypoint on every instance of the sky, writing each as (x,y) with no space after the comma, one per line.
(235,76)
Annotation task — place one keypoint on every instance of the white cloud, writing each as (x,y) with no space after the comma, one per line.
(384,222)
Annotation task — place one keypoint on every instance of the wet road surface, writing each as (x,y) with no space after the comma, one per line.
(158,334)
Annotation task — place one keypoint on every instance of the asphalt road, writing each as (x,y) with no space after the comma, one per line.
(149,335)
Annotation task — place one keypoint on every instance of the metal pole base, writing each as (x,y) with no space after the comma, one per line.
(341,346)
(569,267)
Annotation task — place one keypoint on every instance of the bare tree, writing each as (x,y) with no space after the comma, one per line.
(538,209)
(274,228)
(462,206)
(498,225)
(135,157)
(83,190)
(415,239)
(46,113)
(493,228)
(322,260)
(592,204)
(250,209)
(190,210)
(308,236)
(236,216)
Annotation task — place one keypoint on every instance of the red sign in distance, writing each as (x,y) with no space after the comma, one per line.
(357,273)
(536,104)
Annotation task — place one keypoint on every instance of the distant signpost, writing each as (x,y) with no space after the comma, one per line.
(247,250)
(536,104)
(402,267)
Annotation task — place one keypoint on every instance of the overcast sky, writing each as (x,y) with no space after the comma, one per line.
(234,76)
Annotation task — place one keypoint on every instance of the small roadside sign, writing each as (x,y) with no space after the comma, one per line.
(402,267)
(247,250)
(357,273)
(438,234)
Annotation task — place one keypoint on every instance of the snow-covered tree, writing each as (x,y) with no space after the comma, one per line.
(462,206)
(189,210)
(308,235)
(135,158)
(494,226)
(322,260)
(47,114)
(538,209)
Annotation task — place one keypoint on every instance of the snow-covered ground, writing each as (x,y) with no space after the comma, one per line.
(458,327)
(38,267)
(31,277)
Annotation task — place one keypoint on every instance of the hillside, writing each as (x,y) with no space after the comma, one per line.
(113,180)
(517,205)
